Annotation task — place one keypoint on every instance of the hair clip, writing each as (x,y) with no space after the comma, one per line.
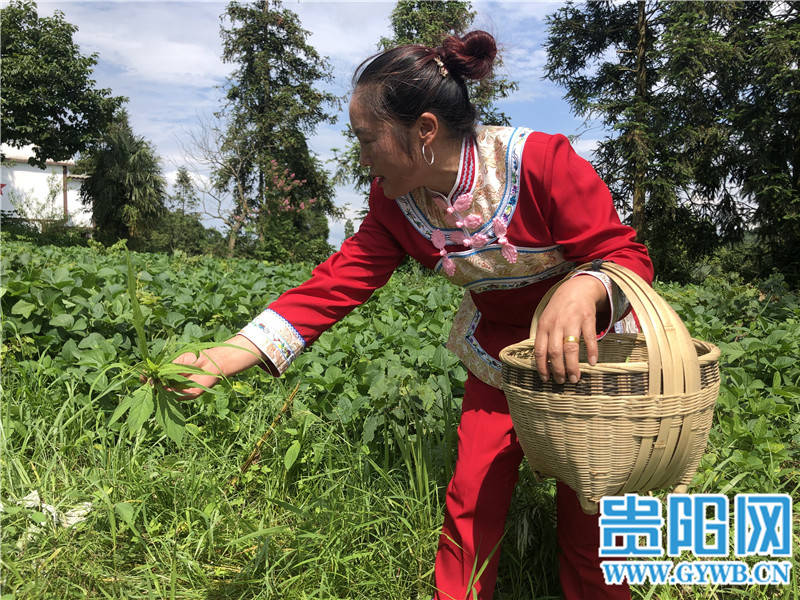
(440,64)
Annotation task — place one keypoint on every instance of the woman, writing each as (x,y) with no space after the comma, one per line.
(503,212)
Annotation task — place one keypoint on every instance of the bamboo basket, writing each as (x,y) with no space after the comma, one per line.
(636,421)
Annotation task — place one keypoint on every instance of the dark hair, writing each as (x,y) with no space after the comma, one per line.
(401,83)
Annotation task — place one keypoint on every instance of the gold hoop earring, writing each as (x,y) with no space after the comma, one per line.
(425,158)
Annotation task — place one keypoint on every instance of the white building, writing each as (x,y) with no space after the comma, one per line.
(41,195)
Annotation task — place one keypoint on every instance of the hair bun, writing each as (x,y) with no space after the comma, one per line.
(470,56)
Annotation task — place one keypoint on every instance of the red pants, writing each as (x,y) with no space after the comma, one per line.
(478,498)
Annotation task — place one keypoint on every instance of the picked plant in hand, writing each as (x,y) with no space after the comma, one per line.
(161,379)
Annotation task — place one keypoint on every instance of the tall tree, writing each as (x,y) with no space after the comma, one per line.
(610,57)
(49,97)
(428,22)
(273,105)
(124,186)
(184,198)
(735,67)
(603,53)
(701,101)
(209,151)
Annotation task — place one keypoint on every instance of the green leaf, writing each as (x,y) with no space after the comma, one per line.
(121,408)
(63,320)
(23,308)
(38,517)
(141,408)
(79,325)
(370,425)
(442,358)
(776,379)
(62,277)
(169,416)
(126,512)
(784,362)
(69,350)
(291,455)
(257,534)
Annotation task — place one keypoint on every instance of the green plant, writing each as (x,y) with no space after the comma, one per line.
(162,379)
(344,496)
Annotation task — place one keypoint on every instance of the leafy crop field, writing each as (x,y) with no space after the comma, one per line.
(344,497)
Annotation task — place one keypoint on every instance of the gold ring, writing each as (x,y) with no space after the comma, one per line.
(571,338)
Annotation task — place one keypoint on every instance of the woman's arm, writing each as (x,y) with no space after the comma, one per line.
(299,316)
(579,211)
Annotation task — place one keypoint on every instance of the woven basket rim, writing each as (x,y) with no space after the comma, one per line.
(601,402)
(711,353)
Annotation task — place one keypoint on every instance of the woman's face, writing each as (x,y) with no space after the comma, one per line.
(381,151)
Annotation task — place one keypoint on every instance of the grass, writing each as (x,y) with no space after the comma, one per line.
(325,511)
(168,524)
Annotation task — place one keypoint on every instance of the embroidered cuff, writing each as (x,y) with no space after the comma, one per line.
(276,338)
(616,299)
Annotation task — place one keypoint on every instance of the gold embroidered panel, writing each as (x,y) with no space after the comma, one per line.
(486,269)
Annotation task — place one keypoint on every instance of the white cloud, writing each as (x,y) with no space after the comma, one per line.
(346,32)
(525,61)
(326,139)
(352,202)
(586,147)
(167,43)
(515,11)
(165,56)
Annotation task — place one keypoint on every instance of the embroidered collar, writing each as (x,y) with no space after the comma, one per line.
(478,209)
(465,178)
(457,205)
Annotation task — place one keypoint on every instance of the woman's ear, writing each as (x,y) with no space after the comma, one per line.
(427,127)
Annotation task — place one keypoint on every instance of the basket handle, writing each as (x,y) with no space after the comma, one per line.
(672,358)
(684,375)
(681,373)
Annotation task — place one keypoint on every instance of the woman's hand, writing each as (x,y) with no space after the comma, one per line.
(201,361)
(571,313)
(237,354)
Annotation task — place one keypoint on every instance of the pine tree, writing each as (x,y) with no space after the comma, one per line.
(701,101)
(272,105)
(184,199)
(733,66)
(603,54)
(610,58)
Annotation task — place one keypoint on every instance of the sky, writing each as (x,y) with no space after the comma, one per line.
(165,58)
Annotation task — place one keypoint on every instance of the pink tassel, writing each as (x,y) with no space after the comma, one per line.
(448,266)
(479,240)
(471,221)
(437,238)
(509,252)
(463,202)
